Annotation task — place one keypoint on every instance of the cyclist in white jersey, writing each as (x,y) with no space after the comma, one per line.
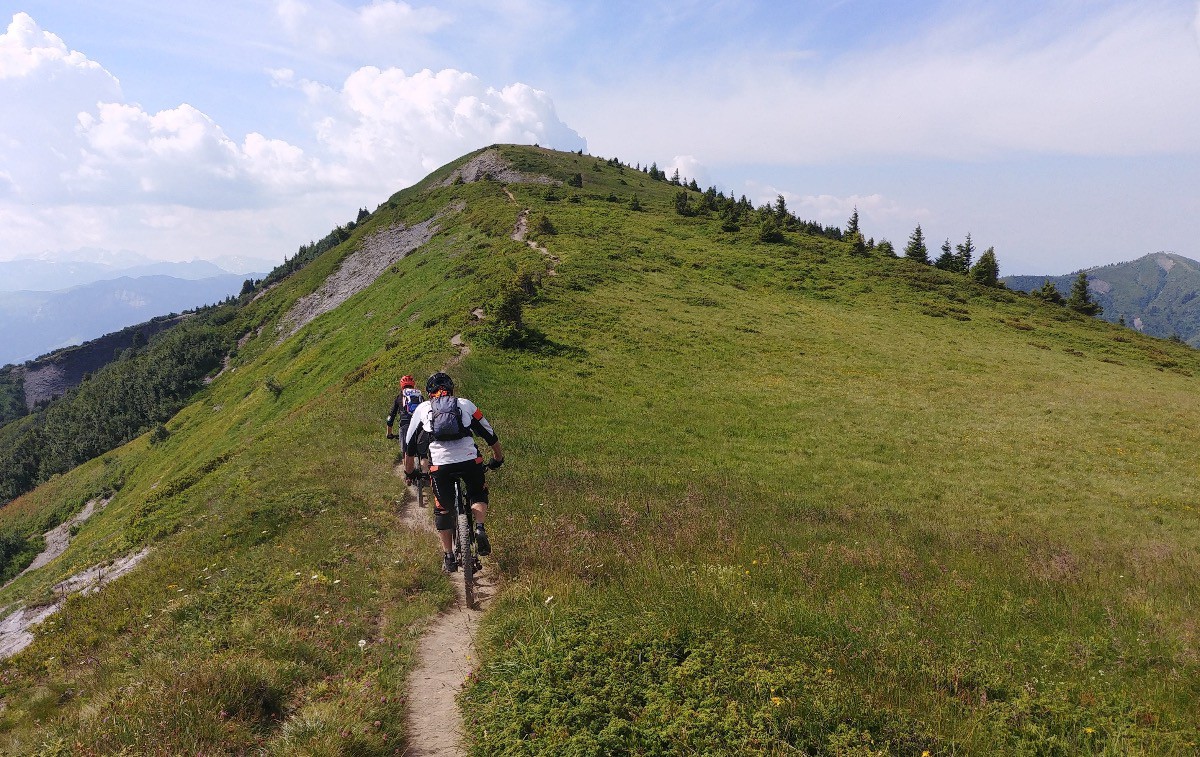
(453,454)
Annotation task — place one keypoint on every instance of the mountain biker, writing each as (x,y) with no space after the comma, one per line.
(453,454)
(402,409)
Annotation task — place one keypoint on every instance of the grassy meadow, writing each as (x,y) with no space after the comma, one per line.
(760,499)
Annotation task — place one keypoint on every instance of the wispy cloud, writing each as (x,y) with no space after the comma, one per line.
(330,28)
(1121,82)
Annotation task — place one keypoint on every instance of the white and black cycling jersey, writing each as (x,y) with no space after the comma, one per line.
(457,450)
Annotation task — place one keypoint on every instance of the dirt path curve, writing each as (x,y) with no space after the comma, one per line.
(446,650)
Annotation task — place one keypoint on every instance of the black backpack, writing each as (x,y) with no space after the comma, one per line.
(445,424)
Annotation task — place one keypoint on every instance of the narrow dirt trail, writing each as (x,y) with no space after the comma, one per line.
(521,229)
(446,649)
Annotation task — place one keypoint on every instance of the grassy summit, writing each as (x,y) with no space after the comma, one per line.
(760,498)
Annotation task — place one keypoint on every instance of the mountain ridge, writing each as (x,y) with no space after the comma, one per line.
(760,497)
(37,323)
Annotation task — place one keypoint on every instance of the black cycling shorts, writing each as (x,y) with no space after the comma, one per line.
(442,478)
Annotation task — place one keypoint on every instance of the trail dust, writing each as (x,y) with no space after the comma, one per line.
(446,650)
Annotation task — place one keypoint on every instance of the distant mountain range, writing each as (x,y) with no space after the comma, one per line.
(1155,294)
(33,323)
(83,267)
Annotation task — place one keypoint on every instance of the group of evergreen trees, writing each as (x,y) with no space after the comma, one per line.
(956,259)
(1080,299)
(307,253)
(774,220)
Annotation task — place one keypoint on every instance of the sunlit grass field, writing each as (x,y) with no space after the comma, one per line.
(760,498)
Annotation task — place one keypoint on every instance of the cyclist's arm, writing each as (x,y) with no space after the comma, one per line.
(479,425)
(392,415)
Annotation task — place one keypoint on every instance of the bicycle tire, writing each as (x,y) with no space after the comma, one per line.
(468,557)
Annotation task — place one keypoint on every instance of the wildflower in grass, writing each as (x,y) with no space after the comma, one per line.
(777,701)
(362,643)
(1089,730)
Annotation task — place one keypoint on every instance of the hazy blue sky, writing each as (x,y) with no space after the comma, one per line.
(1066,133)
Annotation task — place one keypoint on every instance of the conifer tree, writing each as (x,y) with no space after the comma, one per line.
(1080,299)
(886,248)
(987,270)
(964,254)
(857,245)
(916,249)
(770,231)
(781,211)
(1048,292)
(852,224)
(683,204)
(946,261)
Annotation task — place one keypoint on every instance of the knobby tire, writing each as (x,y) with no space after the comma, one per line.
(468,558)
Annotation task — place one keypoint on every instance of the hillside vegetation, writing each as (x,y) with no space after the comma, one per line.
(761,497)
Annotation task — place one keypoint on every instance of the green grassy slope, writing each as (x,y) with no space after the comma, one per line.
(760,498)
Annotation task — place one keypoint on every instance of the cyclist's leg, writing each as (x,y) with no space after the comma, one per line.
(442,482)
(477,491)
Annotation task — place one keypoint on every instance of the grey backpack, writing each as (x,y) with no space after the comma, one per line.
(446,420)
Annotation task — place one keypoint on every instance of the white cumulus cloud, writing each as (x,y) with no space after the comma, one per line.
(72,146)
(391,127)
(689,168)
(44,85)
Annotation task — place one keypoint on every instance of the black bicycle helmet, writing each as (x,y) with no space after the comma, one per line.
(438,382)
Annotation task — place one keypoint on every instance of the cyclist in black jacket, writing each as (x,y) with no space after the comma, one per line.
(402,409)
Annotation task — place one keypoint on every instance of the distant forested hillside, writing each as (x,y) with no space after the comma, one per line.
(1155,294)
(36,323)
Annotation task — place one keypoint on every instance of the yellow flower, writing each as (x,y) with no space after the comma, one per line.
(776,701)
(1089,731)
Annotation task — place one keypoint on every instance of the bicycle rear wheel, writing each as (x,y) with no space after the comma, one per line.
(468,557)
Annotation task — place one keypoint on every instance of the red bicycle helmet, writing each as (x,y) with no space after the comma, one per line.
(407,381)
